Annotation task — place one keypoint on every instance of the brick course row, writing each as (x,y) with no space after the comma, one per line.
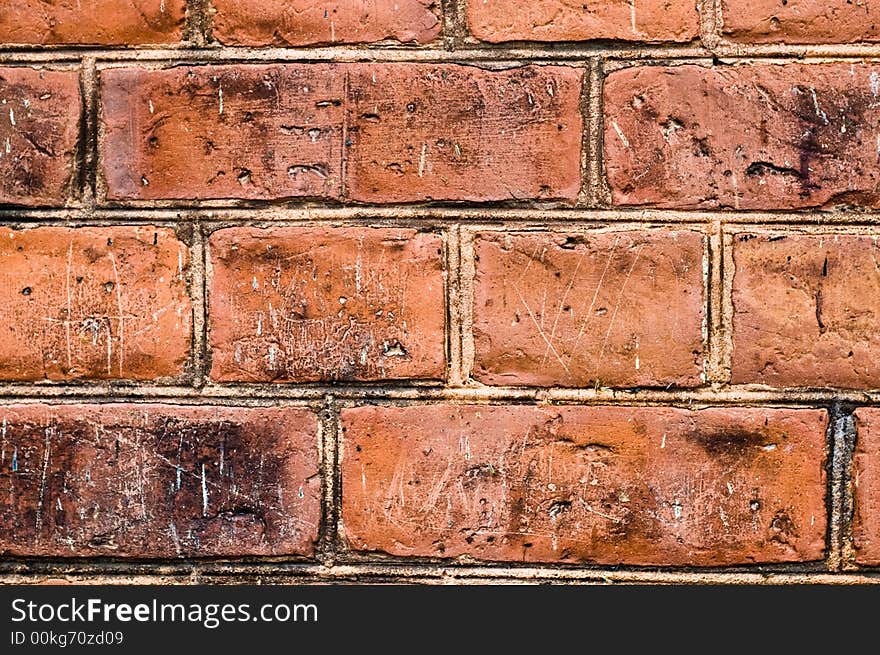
(608,485)
(682,137)
(619,308)
(307,22)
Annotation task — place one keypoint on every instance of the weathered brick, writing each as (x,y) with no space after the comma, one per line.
(413,132)
(631,485)
(107,302)
(309,304)
(304,22)
(560,20)
(39,128)
(609,308)
(806,310)
(866,487)
(762,136)
(158,481)
(99,22)
(204,132)
(804,21)
(446,132)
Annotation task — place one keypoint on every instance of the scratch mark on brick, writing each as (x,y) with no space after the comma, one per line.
(617,304)
(121,349)
(589,312)
(562,304)
(46,453)
(540,329)
(69,305)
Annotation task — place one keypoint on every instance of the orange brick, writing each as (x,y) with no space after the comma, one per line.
(587,309)
(761,136)
(94,303)
(39,130)
(610,485)
(305,22)
(98,22)
(558,20)
(806,310)
(310,304)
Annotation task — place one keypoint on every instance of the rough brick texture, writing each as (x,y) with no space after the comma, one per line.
(806,310)
(866,487)
(536,290)
(158,481)
(461,133)
(560,20)
(93,303)
(586,309)
(223,132)
(410,132)
(608,485)
(300,305)
(804,21)
(762,136)
(39,129)
(83,22)
(303,22)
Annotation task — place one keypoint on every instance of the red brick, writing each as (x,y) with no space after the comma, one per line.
(445,132)
(100,22)
(204,132)
(648,485)
(762,136)
(804,21)
(305,22)
(107,302)
(39,128)
(413,132)
(309,304)
(583,309)
(560,20)
(158,481)
(866,487)
(806,310)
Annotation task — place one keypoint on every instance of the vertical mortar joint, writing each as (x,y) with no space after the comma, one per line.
(842,441)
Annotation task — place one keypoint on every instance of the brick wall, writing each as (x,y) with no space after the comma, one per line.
(427,290)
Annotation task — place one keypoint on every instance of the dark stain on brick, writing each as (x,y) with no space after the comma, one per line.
(732,444)
(144,485)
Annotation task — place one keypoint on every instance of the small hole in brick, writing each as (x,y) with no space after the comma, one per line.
(411,107)
(26,291)
(109,286)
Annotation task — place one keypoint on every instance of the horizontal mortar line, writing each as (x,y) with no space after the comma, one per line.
(267,393)
(516,53)
(487,213)
(425,573)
